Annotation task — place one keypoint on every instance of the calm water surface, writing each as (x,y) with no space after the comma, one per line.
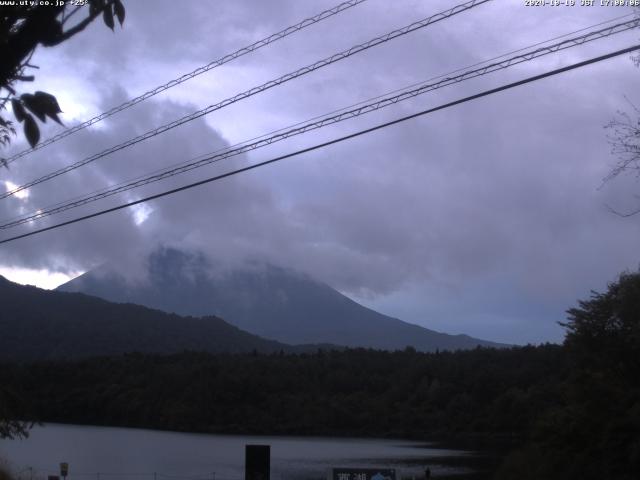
(101,453)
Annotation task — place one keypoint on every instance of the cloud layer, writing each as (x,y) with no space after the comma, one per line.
(486,218)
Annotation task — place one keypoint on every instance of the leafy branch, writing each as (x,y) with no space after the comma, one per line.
(22,30)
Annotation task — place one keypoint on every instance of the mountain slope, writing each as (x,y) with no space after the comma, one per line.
(38,324)
(265,300)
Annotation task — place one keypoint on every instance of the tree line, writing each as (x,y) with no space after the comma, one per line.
(564,411)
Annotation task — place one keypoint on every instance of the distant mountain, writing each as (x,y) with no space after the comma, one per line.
(268,301)
(38,324)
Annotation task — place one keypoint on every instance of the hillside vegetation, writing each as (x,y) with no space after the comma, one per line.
(353,392)
(38,324)
(566,412)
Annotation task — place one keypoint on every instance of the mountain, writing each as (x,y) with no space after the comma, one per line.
(266,300)
(38,324)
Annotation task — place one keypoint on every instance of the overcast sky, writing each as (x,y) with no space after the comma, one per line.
(488,218)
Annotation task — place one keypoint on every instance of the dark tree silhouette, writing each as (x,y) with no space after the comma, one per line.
(10,408)
(604,331)
(590,431)
(22,29)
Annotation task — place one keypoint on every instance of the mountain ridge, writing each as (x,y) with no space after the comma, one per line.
(37,324)
(266,300)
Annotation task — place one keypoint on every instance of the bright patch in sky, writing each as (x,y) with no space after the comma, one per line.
(141,213)
(12,186)
(40,278)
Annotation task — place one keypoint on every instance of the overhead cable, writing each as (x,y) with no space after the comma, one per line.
(255,90)
(380,103)
(328,143)
(187,76)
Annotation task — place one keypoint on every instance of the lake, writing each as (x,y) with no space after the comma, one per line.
(105,453)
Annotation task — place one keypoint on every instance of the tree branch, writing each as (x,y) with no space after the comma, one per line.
(81,25)
(620,214)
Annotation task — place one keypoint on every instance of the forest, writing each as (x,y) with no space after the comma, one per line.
(558,411)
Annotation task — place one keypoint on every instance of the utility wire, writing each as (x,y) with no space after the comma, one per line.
(198,71)
(324,121)
(362,102)
(107,191)
(255,90)
(331,142)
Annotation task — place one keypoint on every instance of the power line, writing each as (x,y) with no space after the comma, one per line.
(255,90)
(198,71)
(324,121)
(331,142)
(38,213)
(211,158)
(362,102)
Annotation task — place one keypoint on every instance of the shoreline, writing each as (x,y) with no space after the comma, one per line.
(465,463)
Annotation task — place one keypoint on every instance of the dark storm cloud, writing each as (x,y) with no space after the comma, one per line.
(485,218)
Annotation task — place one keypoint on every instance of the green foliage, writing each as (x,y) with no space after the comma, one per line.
(22,29)
(352,392)
(604,331)
(6,130)
(593,429)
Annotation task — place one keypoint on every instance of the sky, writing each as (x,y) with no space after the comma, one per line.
(489,218)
